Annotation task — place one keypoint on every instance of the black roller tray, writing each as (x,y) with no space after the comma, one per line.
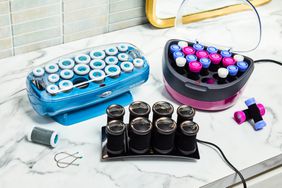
(175,154)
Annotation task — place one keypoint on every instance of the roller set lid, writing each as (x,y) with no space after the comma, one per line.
(238,32)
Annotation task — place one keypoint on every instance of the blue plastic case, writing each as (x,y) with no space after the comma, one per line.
(86,98)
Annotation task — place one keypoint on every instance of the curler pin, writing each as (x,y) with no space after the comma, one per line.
(64,162)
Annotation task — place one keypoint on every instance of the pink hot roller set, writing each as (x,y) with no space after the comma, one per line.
(209,73)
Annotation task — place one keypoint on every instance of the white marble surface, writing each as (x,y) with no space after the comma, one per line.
(24,164)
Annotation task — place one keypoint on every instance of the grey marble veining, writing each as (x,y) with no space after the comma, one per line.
(30,165)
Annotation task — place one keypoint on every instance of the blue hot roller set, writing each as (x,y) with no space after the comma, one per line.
(81,85)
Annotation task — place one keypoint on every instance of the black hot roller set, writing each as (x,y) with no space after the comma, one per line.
(162,136)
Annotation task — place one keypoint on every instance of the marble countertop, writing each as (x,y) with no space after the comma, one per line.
(30,165)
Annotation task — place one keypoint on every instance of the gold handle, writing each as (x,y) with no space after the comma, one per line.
(169,22)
